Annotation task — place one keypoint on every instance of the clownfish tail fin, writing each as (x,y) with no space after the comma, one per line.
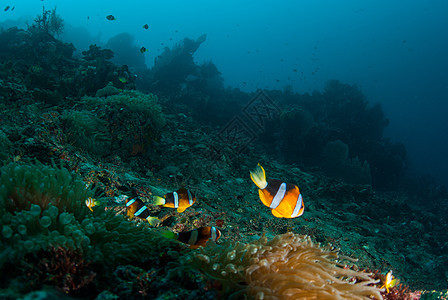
(169,234)
(258,176)
(153,221)
(159,200)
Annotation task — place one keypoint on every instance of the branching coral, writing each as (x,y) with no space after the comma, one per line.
(287,267)
(49,22)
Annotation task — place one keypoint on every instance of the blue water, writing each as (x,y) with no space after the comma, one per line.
(396,51)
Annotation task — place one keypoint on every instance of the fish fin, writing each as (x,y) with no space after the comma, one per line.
(153,221)
(263,198)
(90,208)
(258,176)
(393,282)
(276,214)
(169,234)
(181,209)
(159,200)
(96,202)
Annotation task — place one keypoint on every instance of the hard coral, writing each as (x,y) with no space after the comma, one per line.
(287,267)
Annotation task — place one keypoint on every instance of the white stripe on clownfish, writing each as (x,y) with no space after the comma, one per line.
(142,209)
(176,200)
(213,233)
(193,238)
(190,198)
(130,202)
(298,206)
(278,196)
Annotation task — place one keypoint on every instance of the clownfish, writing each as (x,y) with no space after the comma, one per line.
(136,207)
(284,199)
(197,237)
(90,202)
(389,281)
(182,199)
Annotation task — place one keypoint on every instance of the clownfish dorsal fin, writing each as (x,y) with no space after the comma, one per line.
(258,176)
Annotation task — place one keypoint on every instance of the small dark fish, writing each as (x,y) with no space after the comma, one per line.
(7,8)
(143,50)
(146,26)
(110,18)
(12,9)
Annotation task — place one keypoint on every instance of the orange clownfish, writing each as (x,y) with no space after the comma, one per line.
(197,237)
(136,207)
(284,199)
(182,199)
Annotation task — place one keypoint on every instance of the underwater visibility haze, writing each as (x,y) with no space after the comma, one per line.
(224,149)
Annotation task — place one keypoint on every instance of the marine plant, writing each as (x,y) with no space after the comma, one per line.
(289,266)
(49,21)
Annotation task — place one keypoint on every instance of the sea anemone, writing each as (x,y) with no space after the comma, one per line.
(289,266)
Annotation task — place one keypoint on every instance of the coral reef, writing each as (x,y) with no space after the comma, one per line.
(338,164)
(85,130)
(74,128)
(49,21)
(5,146)
(173,66)
(135,120)
(63,268)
